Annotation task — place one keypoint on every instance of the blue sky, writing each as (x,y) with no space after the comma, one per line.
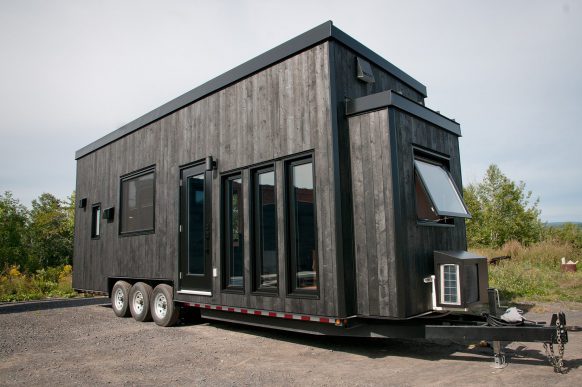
(509,72)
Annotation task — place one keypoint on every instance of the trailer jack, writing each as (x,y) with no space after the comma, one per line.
(498,356)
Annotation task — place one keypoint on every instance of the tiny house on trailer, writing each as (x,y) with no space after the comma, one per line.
(309,188)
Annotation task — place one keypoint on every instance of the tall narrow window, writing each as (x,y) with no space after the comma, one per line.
(302,228)
(196,237)
(233,232)
(265,231)
(137,202)
(96,221)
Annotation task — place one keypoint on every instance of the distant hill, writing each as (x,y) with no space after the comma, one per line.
(560,224)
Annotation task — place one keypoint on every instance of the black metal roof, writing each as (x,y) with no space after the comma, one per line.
(317,35)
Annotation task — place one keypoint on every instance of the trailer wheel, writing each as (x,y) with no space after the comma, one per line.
(164,311)
(139,302)
(120,299)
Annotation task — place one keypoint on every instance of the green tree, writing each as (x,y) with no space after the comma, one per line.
(501,210)
(568,232)
(13,225)
(50,232)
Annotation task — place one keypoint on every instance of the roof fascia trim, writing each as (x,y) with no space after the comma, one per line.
(317,35)
(390,98)
(274,55)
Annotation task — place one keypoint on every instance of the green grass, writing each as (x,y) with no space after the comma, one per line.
(533,273)
(45,283)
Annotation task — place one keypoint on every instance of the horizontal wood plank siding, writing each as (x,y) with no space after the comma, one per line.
(280,111)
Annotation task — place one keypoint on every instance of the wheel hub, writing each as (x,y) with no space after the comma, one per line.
(138,302)
(161,305)
(119,299)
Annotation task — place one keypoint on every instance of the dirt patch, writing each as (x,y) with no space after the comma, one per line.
(87,344)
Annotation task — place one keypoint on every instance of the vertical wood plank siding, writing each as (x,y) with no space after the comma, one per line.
(373,211)
(419,241)
(393,252)
(347,86)
(280,111)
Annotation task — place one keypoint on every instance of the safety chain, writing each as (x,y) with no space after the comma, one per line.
(556,361)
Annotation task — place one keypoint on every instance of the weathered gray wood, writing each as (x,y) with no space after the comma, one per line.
(361,253)
(280,111)
(422,240)
(388,291)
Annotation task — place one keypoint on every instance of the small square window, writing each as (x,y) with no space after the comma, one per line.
(137,202)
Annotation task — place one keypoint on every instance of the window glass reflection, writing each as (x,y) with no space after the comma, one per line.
(303,237)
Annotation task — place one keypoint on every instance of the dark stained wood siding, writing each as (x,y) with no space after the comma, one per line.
(373,212)
(280,111)
(347,86)
(393,251)
(416,242)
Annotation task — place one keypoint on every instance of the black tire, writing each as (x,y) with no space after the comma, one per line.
(120,299)
(139,302)
(164,312)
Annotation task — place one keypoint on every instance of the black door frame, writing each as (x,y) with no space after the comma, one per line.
(197,284)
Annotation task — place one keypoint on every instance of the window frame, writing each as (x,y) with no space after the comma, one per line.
(257,256)
(125,178)
(446,218)
(96,231)
(291,277)
(226,234)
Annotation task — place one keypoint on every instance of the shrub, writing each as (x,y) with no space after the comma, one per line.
(501,210)
(533,273)
(49,282)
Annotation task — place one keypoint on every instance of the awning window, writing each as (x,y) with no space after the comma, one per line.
(444,197)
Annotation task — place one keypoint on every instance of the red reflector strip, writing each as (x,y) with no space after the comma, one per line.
(265,313)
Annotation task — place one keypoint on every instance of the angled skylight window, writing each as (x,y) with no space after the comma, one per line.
(443,196)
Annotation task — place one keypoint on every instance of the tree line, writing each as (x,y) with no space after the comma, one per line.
(501,209)
(39,237)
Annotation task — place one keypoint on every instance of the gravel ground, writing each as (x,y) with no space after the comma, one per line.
(82,342)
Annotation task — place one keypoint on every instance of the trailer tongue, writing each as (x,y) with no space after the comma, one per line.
(497,331)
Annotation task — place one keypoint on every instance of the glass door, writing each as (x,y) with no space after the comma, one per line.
(195,231)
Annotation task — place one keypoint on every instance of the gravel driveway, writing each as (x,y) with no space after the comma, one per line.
(82,342)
